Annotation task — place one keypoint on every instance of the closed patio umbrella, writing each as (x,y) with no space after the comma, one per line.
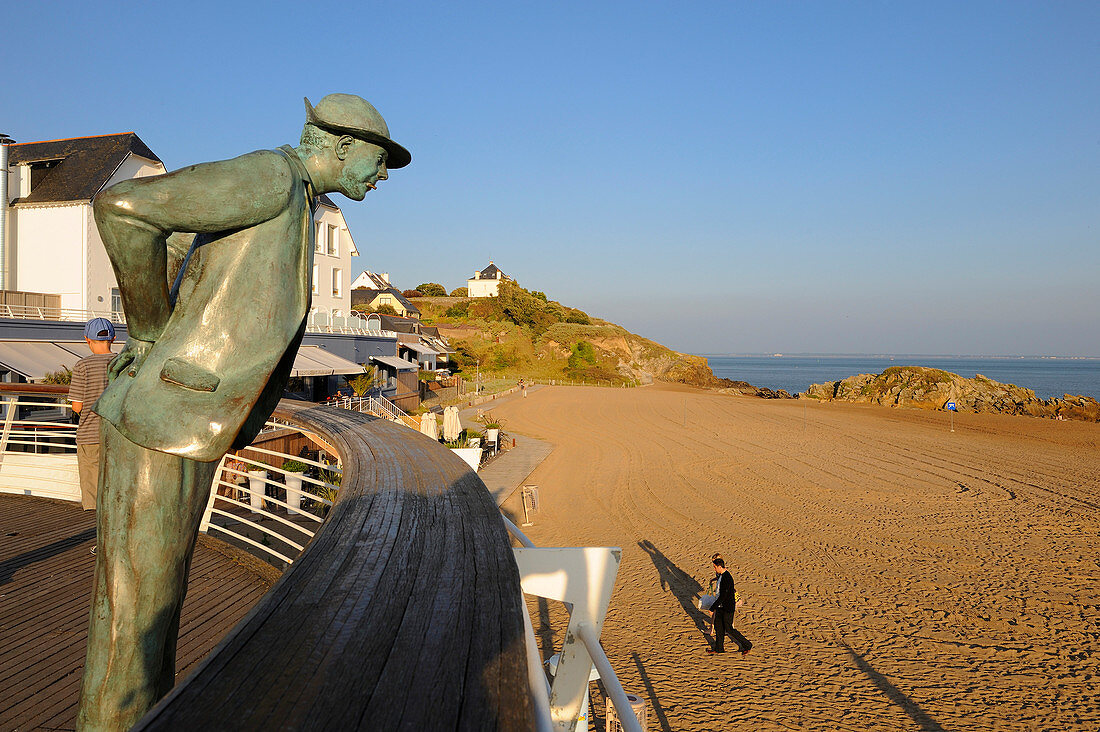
(429,426)
(451,424)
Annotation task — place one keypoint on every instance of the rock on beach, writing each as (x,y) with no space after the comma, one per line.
(926,388)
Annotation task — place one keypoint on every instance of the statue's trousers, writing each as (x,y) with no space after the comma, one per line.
(148,512)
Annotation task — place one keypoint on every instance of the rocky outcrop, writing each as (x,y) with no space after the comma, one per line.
(729,386)
(925,388)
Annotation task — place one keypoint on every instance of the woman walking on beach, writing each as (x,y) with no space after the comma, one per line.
(722,612)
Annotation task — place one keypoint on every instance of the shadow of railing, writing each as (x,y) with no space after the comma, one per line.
(404,611)
(925,722)
(9,567)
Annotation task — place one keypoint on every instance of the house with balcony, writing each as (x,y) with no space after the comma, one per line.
(52,244)
(333,249)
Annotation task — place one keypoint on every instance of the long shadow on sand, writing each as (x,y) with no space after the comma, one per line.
(894,694)
(652,694)
(682,585)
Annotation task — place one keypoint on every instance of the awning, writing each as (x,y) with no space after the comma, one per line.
(397,363)
(316,361)
(420,348)
(34,359)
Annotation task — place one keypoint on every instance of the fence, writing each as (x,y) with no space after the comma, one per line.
(38,442)
(319,321)
(377,405)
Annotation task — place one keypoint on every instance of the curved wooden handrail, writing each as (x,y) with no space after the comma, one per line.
(35,388)
(404,612)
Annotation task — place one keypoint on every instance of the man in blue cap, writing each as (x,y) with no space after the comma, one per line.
(88,382)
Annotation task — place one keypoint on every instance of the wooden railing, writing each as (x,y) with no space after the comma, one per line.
(403,612)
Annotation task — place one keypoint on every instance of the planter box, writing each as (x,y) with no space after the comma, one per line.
(256,489)
(472,455)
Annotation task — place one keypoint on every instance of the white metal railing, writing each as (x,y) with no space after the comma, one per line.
(320,321)
(271,509)
(582,579)
(33,312)
(38,456)
(377,405)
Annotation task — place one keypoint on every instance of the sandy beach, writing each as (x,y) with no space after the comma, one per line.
(896,575)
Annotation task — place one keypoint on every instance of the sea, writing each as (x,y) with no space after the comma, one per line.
(1048,377)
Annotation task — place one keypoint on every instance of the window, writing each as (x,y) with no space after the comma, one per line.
(334,240)
(336,274)
(319,244)
(116,305)
(315,279)
(40,169)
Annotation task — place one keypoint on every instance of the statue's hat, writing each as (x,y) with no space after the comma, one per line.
(347,114)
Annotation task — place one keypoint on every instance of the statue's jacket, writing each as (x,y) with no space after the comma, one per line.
(239,235)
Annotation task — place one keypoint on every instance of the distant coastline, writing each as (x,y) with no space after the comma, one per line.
(1048,376)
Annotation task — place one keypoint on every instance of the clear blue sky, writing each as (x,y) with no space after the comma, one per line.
(724,177)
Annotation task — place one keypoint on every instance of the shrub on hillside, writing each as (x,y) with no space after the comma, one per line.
(386,310)
(583,355)
(577,316)
(458,310)
(503,357)
(432,289)
(460,292)
(413,293)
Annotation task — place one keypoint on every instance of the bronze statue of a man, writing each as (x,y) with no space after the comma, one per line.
(214,263)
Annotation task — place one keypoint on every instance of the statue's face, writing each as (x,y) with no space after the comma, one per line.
(364,166)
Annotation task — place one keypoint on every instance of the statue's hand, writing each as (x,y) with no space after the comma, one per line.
(132,357)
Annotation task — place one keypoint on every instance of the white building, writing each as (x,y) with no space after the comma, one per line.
(53,245)
(334,249)
(370,281)
(486,282)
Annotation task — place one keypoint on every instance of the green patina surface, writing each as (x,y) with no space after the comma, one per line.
(214,265)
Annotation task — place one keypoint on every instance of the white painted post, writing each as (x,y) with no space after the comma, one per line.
(584,578)
(204,525)
(257,487)
(9,416)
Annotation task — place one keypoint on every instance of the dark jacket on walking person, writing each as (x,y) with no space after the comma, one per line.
(722,612)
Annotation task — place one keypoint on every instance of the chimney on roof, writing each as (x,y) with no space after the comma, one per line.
(5,141)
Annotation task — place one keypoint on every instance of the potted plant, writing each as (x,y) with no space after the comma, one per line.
(257,485)
(493,426)
(295,470)
(329,491)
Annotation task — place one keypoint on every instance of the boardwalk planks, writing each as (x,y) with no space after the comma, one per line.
(45,593)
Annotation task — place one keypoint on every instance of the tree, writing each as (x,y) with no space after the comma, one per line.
(362,383)
(432,289)
(413,293)
(63,376)
(460,292)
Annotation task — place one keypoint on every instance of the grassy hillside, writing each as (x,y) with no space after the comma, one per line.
(522,333)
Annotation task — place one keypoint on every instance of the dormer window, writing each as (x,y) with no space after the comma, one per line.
(40,169)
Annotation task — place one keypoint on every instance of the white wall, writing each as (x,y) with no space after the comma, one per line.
(56,248)
(326,263)
(482,287)
(47,250)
